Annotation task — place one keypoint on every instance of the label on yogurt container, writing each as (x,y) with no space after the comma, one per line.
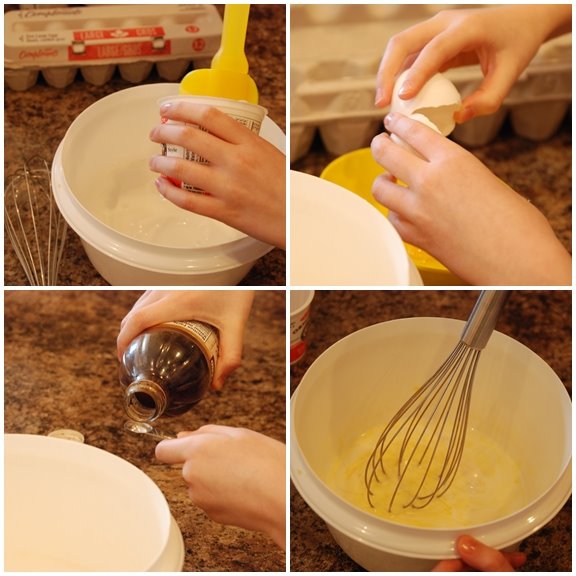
(175,151)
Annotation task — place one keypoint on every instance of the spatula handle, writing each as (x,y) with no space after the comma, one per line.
(230,55)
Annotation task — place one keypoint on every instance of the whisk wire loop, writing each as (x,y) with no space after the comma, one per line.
(33,223)
(424,441)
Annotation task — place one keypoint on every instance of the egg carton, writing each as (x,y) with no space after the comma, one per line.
(335,54)
(59,41)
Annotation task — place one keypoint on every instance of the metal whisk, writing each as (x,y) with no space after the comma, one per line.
(429,431)
(35,227)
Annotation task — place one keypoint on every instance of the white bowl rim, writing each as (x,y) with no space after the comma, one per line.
(135,252)
(63,445)
(403,268)
(427,543)
(66,143)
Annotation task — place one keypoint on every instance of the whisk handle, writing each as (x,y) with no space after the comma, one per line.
(483,318)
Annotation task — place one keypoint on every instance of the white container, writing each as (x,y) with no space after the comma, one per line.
(73,507)
(106,192)
(339,239)
(300,302)
(249,115)
(517,400)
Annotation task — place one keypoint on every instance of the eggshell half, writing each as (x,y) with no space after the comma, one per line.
(437,101)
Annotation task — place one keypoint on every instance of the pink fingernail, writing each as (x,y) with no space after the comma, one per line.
(467,544)
(159,185)
(389,119)
(465,114)
(404,89)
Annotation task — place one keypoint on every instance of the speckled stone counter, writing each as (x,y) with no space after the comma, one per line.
(36,120)
(539,320)
(61,371)
(540,171)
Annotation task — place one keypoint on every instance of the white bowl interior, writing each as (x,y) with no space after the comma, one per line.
(339,239)
(73,507)
(105,164)
(362,380)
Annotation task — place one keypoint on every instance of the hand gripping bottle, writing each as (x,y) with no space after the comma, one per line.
(167,369)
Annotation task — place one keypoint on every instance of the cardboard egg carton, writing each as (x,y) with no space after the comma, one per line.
(58,41)
(335,54)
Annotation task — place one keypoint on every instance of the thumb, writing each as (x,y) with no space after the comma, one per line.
(489,96)
(482,557)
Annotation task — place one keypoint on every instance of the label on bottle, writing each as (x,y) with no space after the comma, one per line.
(204,335)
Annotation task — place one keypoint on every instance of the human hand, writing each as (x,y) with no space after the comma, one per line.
(227,310)
(475,556)
(457,210)
(244,180)
(236,476)
(502,40)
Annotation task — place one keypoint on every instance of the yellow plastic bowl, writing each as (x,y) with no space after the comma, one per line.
(356,171)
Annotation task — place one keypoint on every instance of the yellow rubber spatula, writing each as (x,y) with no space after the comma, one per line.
(228,75)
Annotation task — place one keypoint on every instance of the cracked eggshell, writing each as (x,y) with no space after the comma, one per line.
(423,120)
(437,101)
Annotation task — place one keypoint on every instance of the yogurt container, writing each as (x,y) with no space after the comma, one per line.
(249,115)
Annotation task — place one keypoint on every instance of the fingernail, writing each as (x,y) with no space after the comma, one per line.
(152,133)
(159,186)
(378,97)
(464,115)
(389,119)
(404,89)
(467,544)
(166,107)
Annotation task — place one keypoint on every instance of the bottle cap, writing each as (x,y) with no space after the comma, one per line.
(67,434)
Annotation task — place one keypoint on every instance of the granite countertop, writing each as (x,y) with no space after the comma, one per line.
(540,171)
(541,320)
(36,120)
(61,371)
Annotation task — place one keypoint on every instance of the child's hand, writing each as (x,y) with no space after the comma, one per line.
(245,179)
(227,310)
(502,40)
(458,211)
(475,556)
(235,475)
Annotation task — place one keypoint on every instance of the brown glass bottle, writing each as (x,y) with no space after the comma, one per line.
(167,369)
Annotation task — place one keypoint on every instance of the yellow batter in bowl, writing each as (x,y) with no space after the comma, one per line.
(488,485)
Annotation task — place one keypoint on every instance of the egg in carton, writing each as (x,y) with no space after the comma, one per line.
(59,41)
(335,54)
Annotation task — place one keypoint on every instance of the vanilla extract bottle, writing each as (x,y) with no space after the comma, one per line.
(167,369)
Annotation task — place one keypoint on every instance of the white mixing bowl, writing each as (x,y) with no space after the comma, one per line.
(73,507)
(132,235)
(362,380)
(339,239)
